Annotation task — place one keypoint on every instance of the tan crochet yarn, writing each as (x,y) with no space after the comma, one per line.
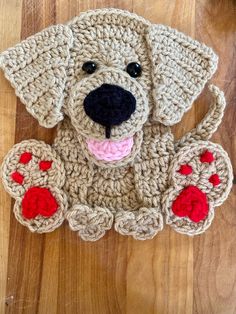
(54,179)
(129,172)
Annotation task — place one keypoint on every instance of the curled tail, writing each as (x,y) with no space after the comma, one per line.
(211,121)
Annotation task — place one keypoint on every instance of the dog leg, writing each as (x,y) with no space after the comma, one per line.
(142,224)
(200,179)
(91,223)
(34,175)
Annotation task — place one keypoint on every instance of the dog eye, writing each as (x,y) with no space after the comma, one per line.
(89,67)
(134,69)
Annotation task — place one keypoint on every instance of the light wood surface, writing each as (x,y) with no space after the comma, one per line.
(59,273)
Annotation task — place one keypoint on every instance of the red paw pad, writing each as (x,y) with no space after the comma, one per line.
(17,177)
(191,203)
(44,165)
(214,179)
(25,158)
(207,156)
(185,169)
(38,201)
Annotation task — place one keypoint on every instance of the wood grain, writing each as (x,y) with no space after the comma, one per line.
(9,35)
(59,273)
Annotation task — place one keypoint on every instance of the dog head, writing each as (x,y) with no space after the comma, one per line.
(111,72)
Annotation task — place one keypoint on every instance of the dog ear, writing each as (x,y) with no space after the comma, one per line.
(181,67)
(36,68)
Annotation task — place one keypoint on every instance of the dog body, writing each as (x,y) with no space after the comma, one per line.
(118,83)
(129,187)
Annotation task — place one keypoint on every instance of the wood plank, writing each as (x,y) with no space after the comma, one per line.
(92,277)
(215,252)
(161,270)
(26,254)
(9,35)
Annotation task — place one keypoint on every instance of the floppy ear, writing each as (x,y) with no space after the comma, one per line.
(181,67)
(36,68)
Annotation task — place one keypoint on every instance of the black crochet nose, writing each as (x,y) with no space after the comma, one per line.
(109,105)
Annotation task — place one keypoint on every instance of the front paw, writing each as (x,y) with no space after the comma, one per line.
(91,223)
(142,224)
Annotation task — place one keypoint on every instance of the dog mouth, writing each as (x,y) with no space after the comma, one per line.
(110,150)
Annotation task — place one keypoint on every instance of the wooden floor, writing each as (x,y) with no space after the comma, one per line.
(59,273)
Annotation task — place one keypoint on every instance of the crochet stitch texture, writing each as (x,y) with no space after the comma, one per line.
(114,159)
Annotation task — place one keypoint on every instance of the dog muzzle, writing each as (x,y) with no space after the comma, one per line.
(110,105)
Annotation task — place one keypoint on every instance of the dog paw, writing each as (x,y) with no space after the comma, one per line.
(33,174)
(143,224)
(200,179)
(91,223)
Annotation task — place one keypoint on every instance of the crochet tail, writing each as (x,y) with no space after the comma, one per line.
(211,121)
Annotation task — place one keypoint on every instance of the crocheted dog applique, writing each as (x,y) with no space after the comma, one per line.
(114,84)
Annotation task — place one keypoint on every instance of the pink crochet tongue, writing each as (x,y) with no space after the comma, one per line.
(109,150)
